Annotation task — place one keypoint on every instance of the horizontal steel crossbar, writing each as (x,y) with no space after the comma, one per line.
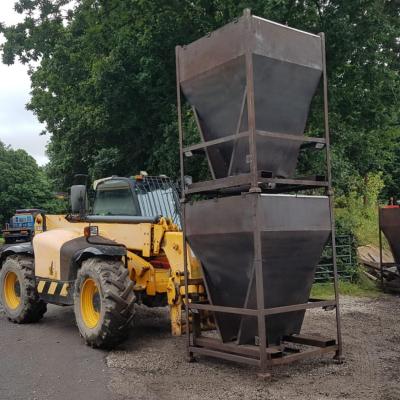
(272,135)
(245,179)
(250,354)
(312,352)
(228,310)
(230,181)
(288,181)
(215,142)
(226,356)
(310,340)
(289,136)
(297,307)
(267,311)
(242,349)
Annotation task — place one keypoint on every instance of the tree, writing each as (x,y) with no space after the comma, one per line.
(105,82)
(23,184)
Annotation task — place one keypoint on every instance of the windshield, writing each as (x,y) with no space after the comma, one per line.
(114,198)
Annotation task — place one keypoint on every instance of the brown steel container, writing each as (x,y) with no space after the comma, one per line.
(287,67)
(294,230)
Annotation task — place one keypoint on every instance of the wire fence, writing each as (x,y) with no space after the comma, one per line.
(345,255)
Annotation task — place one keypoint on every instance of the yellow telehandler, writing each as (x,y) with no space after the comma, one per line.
(127,250)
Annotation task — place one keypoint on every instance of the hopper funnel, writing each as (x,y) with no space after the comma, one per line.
(286,67)
(293,231)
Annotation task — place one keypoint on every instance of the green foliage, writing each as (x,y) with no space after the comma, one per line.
(103,80)
(358,211)
(23,184)
(362,288)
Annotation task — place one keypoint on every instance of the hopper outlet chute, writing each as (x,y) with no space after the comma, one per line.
(286,69)
(293,231)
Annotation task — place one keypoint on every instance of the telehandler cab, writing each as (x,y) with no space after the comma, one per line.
(127,250)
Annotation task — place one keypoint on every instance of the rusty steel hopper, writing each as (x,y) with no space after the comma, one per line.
(389,224)
(250,85)
(287,67)
(294,230)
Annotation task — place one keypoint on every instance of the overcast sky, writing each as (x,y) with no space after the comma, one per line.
(18,126)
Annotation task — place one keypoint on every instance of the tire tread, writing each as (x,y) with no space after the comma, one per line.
(118,300)
(34,308)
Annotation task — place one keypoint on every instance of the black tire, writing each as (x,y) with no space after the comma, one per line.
(116,302)
(31,308)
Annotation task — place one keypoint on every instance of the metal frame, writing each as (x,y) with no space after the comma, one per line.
(262,356)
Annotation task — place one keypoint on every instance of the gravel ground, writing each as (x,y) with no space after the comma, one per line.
(151,365)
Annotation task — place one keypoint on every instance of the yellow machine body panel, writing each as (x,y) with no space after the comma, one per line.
(132,236)
(154,257)
(173,247)
(47,249)
(145,238)
(147,277)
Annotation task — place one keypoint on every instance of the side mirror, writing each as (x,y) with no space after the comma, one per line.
(79,200)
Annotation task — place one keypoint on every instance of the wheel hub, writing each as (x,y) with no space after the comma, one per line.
(12,290)
(90,303)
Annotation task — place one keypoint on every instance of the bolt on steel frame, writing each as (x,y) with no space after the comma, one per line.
(254,183)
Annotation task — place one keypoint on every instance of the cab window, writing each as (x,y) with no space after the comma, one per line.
(115,197)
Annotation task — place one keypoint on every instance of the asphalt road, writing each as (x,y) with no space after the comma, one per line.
(48,360)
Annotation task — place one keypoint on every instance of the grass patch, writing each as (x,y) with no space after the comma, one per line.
(1,241)
(363,288)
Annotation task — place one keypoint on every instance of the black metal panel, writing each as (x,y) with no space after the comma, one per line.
(217,96)
(74,251)
(220,233)
(283,93)
(227,285)
(294,230)
(289,263)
